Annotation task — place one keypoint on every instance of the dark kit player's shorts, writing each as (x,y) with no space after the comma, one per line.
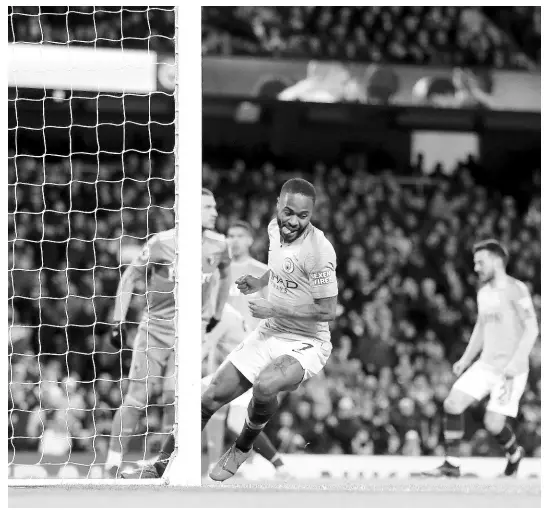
(153,359)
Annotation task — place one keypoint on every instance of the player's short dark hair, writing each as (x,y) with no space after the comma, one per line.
(242,224)
(493,246)
(299,186)
(207,192)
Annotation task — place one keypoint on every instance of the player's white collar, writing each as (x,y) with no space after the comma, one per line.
(499,283)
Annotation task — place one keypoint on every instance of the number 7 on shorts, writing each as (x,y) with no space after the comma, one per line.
(306,346)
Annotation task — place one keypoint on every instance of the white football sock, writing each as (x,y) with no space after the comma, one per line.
(515,456)
(113,459)
(453,461)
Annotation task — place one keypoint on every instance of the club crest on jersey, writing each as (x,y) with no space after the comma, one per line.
(211,259)
(288,265)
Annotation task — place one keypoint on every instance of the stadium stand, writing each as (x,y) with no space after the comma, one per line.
(401,320)
(407,301)
(64,271)
(407,297)
(137,27)
(507,37)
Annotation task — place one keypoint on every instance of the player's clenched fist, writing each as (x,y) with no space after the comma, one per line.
(117,335)
(248,284)
(459,368)
(261,309)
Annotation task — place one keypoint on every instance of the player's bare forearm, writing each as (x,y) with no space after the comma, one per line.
(529,337)
(223,290)
(475,344)
(264,280)
(124,292)
(322,310)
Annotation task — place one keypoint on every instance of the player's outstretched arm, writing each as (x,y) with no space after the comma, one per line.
(322,310)
(125,290)
(132,274)
(223,288)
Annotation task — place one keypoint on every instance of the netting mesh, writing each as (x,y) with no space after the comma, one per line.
(91,179)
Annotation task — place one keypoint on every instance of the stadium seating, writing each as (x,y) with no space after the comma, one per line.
(498,37)
(502,37)
(404,265)
(80,254)
(406,303)
(136,28)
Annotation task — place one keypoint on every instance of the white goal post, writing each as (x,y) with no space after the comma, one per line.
(102,89)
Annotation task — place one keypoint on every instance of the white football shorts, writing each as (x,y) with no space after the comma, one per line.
(258,350)
(480,380)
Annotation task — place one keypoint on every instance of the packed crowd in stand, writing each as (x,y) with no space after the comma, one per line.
(69,229)
(503,37)
(500,37)
(108,27)
(406,304)
(403,314)
(521,24)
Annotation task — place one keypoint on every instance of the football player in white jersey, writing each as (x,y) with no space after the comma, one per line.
(504,335)
(292,341)
(226,336)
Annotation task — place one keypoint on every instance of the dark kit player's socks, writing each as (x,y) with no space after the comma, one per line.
(277,461)
(453,432)
(265,448)
(259,413)
(507,440)
(164,455)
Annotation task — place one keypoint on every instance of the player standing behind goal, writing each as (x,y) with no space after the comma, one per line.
(506,331)
(153,352)
(292,341)
(215,260)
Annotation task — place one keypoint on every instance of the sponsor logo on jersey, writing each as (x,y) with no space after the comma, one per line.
(491,317)
(282,284)
(322,277)
(288,265)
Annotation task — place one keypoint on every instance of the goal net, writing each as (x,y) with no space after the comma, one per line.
(91,166)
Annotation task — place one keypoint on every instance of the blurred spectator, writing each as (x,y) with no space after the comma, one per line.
(406,307)
(506,37)
(406,304)
(63,275)
(111,27)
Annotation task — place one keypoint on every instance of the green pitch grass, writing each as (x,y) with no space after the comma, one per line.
(397,493)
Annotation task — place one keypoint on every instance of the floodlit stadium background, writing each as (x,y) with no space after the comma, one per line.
(414,157)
